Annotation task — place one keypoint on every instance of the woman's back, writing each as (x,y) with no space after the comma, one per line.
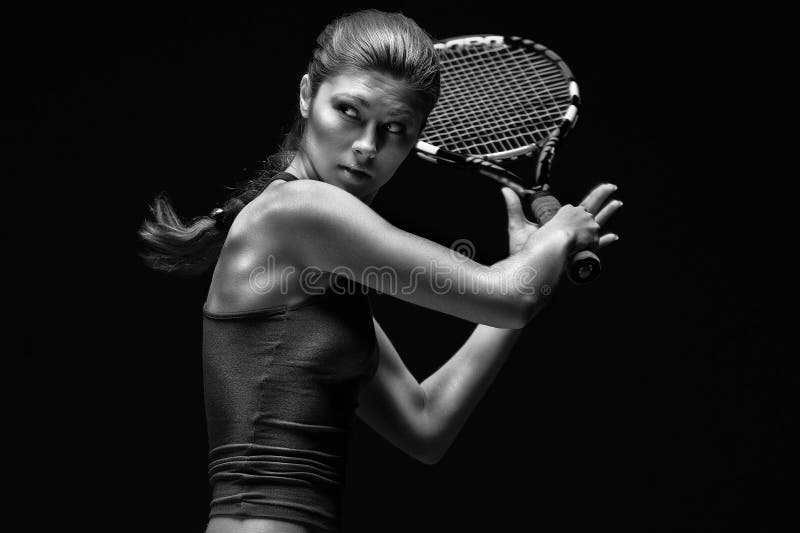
(281,384)
(281,387)
(282,370)
(253,272)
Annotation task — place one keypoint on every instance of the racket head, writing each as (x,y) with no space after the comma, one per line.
(501,98)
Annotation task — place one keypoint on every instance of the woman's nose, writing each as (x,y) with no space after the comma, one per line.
(365,146)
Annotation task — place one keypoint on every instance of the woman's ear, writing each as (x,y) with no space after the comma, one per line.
(422,125)
(305,95)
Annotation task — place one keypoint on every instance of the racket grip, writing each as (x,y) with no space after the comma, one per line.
(584,266)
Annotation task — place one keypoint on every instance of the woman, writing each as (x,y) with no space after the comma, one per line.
(290,348)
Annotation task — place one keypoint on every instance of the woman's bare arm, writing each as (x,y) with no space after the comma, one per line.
(424,420)
(393,403)
(326,228)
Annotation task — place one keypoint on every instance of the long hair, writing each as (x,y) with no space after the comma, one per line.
(368,40)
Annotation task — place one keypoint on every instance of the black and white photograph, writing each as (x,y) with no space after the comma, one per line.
(402,267)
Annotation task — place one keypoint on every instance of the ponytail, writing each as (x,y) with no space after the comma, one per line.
(364,40)
(191,248)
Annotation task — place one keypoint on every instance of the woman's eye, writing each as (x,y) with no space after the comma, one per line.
(395,127)
(348,110)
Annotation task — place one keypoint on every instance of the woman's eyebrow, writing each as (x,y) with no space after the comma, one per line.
(401,113)
(396,112)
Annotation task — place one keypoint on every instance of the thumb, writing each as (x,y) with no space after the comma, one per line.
(515,214)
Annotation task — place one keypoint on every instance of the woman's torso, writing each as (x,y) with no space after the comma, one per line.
(252,276)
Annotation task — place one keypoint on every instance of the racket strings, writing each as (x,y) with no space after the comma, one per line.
(515,92)
(497,73)
(508,104)
(495,99)
(523,99)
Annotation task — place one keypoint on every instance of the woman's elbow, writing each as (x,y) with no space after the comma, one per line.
(433,453)
(428,458)
(426,448)
(427,461)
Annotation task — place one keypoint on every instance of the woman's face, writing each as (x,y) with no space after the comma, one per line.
(360,127)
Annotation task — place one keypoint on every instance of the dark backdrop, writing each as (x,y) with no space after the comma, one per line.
(657,399)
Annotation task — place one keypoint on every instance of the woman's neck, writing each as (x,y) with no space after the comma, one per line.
(303,169)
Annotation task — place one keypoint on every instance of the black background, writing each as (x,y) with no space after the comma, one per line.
(661,398)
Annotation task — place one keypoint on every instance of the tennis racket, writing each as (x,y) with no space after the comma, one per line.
(502,98)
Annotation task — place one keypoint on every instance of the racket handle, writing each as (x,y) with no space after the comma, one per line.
(584,266)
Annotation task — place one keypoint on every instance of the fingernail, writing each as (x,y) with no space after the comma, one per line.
(620,203)
(616,237)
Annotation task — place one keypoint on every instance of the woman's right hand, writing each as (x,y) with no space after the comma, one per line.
(579,226)
(574,226)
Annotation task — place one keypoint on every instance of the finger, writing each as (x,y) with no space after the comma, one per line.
(598,196)
(516,217)
(609,209)
(607,239)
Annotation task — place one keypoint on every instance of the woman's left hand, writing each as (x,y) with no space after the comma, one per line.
(596,202)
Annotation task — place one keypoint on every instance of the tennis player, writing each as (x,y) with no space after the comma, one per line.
(291,351)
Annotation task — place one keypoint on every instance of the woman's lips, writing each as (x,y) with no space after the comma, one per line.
(356,172)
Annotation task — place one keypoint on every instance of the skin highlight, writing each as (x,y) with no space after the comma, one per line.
(360,128)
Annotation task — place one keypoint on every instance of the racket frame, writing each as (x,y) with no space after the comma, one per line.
(584,266)
(545,148)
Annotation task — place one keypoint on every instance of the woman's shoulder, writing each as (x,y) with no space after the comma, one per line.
(285,212)
(304,200)
(291,187)
(307,222)
(259,252)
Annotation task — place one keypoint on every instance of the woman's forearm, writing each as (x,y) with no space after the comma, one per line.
(455,389)
(534,273)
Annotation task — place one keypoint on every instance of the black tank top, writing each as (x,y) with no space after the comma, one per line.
(281,386)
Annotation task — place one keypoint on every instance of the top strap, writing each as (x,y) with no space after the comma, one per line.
(283,176)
